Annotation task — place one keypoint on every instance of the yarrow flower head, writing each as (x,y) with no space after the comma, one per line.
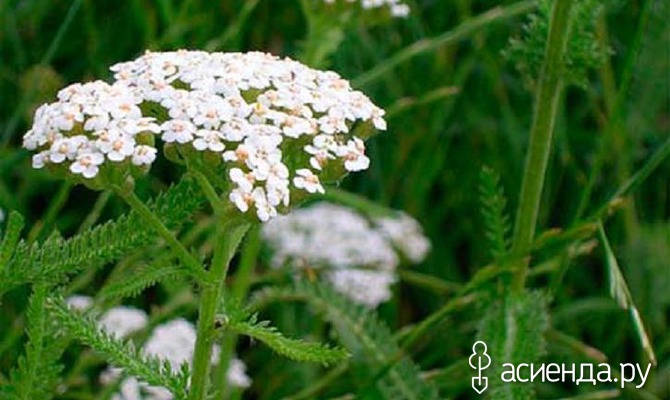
(357,256)
(91,125)
(271,131)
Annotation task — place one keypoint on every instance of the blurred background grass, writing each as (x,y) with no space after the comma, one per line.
(457,108)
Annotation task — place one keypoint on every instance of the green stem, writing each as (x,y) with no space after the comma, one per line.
(242,283)
(209,191)
(542,129)
(189,261)
(229,234)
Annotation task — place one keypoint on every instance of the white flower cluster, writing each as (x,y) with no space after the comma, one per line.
(173,341)
(89,125)
(406,235)
(122,321)
(272,123)
(119,322)
(357,256)
(396,7)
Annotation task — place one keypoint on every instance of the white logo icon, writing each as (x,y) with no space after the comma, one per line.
(479,361)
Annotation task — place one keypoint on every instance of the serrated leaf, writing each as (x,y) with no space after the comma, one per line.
(37,371)
(120,353)
(493,208)
(584,51)
(297,350)
(513,330)
(57,259)
(137,282)
(364,335)
(11,237)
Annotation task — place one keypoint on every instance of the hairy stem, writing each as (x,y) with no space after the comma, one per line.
(189,261)
(546,106)
(228,237)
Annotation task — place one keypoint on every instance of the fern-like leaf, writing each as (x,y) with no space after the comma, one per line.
(363,334)
(293,349)
(513,330)
(119,353)
(56,259)
(584,53)
(36,374)
(137,282)
(493,208)
(11,237)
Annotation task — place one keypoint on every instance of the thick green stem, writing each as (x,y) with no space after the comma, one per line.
(546,107)
(189,261)
(228,237)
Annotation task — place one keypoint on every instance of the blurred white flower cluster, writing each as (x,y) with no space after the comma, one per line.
(358,256)
(271,123)
(396,7)
(173,341)
(406,235)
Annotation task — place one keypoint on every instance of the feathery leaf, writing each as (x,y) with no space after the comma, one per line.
(496,219)
(119,353)
(11,237)
(363,334)
(56,259)
(585,52)
(297,350)
(138,281)
(36,375)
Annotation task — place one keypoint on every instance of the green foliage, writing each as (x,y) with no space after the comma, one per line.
(646,269)
(513,329)
(137,281)
(427,164)
(56,259)
(585,51)
(493,209)
(37,373)
(119,353)
(364,335)
(621,294)
(293,349)
(10,238)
